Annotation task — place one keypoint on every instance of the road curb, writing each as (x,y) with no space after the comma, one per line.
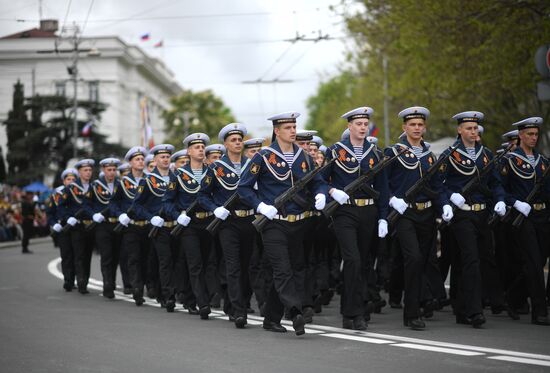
(12,244)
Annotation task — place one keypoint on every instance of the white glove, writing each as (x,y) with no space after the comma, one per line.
(57,227)
(398,204)
(500,208)
(72,221)
(267,210)
(523,207)
(339,196)
(320,201)
(221,212)
(98,217)
(157,221)
(183,219)
(124,219)
(447,213)
(382,228)
(458,200)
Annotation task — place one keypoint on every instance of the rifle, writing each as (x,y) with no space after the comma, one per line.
(531,197)
(360,183)
(154,230)
(290,194)
(190,210)
(93,223)
(121,226)
(78,215)
(422,183)
(214,225)
(475,182)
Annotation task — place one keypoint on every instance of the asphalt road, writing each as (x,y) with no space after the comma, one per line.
(45,329)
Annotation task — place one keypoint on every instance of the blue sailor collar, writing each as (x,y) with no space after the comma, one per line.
(521,165)
(186,178)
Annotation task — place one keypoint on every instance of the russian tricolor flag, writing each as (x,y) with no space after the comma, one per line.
(87,129)
(145,37)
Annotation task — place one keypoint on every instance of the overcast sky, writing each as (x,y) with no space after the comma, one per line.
(216,44)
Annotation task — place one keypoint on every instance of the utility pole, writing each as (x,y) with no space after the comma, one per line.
(386,108)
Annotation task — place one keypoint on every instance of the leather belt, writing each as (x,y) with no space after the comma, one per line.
(169,224)
(203,214)
(242,213)
(420,205)
(294,218)
(474,207)
(538,206)
(112,220)
(360,202)
(139,223)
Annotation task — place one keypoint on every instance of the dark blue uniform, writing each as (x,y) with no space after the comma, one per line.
(529,241)
(194,243)
(283,236)
(415,230)
(107,241)
(477,269)
(237,236)
(75,203)
(355,223)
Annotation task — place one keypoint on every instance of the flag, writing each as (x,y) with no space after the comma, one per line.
(373,130)
(87,129)
(146,129)
(159,44)
(145,37)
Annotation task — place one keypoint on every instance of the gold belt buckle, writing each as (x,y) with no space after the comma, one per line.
(476,207)
(291,218)
(360,202)
(199,215)
(420,206)
(538,206)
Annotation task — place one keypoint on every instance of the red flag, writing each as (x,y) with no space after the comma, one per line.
(159,44)
(145,37)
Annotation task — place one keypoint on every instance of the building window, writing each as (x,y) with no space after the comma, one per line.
(60,88)
(94,90)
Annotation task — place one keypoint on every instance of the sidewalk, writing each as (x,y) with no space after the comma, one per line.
(12,244)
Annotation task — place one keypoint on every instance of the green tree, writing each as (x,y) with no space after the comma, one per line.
(40,133)
(195,112)
(449,56)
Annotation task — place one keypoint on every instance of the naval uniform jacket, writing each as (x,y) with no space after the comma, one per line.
(220,183)
(182,190)
(74,198)
(269,169)
(347,168)
(123,195)
(408,169)
(101,195)
(51,205)
(148,200)
(519,176)
(459,169)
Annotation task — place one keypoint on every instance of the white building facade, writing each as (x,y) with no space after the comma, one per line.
(120,75)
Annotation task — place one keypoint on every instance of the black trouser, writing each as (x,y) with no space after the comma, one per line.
(196,243)
(28,229)
(310,261)
(83,245)
(124,266)
(529,241)
(416,235)
(396,285)
(237,238)
(165,249)
(324,244)
(215,270)
(257,271)
(472,235)
(354,228)
(67,257)
(153,281)
(108,244)
(283,248)
(136,242)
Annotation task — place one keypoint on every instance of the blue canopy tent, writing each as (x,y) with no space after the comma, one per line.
(36,187)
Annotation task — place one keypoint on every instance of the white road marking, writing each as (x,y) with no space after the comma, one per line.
(521,360)
(339,333)
(438,349)
(356,338)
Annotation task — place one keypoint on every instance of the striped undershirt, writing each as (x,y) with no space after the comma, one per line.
(531,159)
(417,150)
(237,167)
(197,172)
(289,158)
(358,150)
(471,153)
